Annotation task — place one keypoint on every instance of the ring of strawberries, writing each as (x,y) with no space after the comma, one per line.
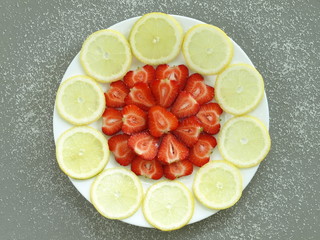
(167,119)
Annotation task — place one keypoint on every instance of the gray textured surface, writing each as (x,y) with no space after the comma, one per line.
(40,38)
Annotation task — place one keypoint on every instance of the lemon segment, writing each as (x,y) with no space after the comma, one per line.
(105,55)
(218,185)
(82,152)
(168,205)
(207,49)
(244,141)
(156,38)
(116,193)
(80,100)
(239,89)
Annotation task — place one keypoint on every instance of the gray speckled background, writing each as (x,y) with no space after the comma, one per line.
(40,38)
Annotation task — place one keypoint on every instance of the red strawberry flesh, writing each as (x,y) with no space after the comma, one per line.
(123,154)
(161,121)
(185,105)
(165,91)
(140,95)
(134,119)
(116,94)
(176,73)
(144,145)
(111,121)
(146,74)
(189,130)
(178,169)
(209,116)
(147,168)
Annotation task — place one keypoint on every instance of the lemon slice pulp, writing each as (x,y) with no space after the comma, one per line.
(244,141)
(116,193)
(239,89)
(218,185)
(156,38)
(82,152)
(168,205)
(105,55)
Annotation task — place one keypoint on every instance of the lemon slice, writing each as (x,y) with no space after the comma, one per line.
(207,49)
(156,38)
(82,152)
(168,205)
(244,141)
(218,185)
(239,89)
(116,193)
(80,100)
(106,55)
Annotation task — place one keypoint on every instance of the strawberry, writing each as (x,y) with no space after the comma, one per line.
(185,105)
(140,95)
(118,144)
(177,73)
(111,121)
(116,94)
(201,151)
(209,116)
(148,168)
(144,145)
(134,119)
(189,130)
(165,91)
(178,169)
(201,92)
(172,150)
(161,121)
(145,74)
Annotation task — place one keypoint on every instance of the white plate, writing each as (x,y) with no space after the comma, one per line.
(200,212)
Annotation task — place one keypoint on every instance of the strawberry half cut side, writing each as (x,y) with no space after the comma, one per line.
(161,121)
(178,169)
(209,116)
(201,92)
(185,105)
(118,145)
(134,119)
(146,74)
(147,168)
(172,150)
(176,73)
(201,151)
(189,130)
(111,121)
(144,145)
(165,91)
(116,94)
(140,95)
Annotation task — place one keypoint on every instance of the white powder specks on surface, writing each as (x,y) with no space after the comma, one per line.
(40,38)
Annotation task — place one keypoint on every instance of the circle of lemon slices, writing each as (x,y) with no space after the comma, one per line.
(156,38)
(116,193)
(218,185)
(239,89)
(105,55)
(80,100)
(168,205)
(207,49)
(82,152)
(244,141)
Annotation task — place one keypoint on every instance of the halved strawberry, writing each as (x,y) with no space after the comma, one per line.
(177,73)
(185,105)
(134,119)
(144,145)
(172,150)
(161,121)
(189,130)
(140,95)
(116,94)
(209,116)
(178,169)
(148,168)
(111,121)
(201,151)
(123,154)
(145,74)
(201,92)
(165,91)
